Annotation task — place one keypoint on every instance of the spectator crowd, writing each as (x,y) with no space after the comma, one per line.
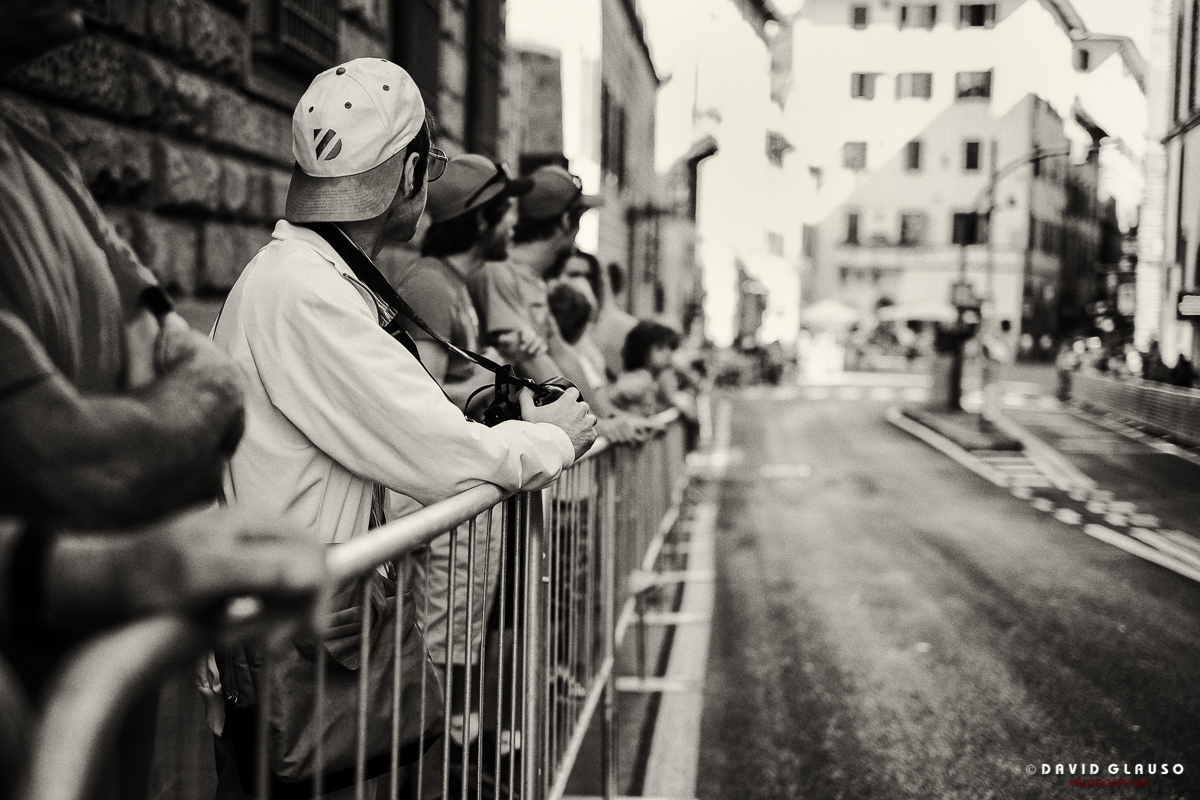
(146,468)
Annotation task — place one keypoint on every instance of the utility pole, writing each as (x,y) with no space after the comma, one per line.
(989,323)
(962,294)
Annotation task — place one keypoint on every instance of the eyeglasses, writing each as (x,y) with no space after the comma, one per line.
(437,164)
(503,175)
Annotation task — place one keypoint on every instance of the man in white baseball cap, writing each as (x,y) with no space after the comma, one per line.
(338,403)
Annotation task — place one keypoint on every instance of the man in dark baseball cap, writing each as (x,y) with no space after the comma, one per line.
(513,301)
(472,210)
(555,192)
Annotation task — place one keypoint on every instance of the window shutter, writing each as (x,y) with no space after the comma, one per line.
(416,33)
(486,42)
(308,32)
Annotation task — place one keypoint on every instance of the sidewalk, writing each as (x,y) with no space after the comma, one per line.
(1115,483)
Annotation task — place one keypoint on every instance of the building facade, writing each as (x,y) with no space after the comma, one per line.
(1170,249)
(922,106)
(590,63)
(730,80)
(179,111)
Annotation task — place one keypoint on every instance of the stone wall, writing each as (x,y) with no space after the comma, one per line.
(180,121)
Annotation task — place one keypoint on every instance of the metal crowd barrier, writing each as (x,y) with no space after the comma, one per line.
(537,658)
(1169,410)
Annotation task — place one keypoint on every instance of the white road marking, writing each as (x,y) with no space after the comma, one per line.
(770,471)
(1068,516)
(1156,539)
(1133,546)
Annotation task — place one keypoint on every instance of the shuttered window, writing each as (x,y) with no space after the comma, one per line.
(416,34)
(308,32)
(486,41)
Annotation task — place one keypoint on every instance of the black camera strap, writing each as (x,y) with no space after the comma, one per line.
(365,270)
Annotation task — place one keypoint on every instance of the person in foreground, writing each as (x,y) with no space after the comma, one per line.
(338,409)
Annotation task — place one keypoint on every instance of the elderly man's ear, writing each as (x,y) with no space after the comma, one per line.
(410,174)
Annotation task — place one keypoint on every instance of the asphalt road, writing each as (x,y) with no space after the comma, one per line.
(889,625)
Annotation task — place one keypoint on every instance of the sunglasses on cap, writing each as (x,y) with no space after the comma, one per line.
(503,175)
(436,166)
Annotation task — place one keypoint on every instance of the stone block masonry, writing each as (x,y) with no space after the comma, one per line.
(178,113)
(162,105)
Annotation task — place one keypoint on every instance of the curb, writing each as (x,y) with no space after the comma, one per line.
(1157,547)
(1057,467)
(947,447)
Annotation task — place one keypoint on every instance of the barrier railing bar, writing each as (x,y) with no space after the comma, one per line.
(571,752)
(534,674)
(500,644)
(472,531)
(608,721)
(141,660)
(394,784)
(452,569)
(364,691)
(483,637)
(87,697)
(424,686)
(517,758)
(387,542)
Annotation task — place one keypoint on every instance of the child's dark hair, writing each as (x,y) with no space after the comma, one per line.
(571,310)
(643,338)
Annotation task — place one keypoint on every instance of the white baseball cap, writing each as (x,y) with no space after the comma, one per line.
(347,129)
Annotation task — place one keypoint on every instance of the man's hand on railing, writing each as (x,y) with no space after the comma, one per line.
(568,412)
(192,563)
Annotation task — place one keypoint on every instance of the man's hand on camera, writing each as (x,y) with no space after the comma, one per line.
(567,412)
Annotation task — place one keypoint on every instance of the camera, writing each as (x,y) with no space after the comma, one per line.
(505,405)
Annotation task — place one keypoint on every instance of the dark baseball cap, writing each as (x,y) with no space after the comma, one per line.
(555,191)
(470,181)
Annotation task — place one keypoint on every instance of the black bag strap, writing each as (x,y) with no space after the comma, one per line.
(365,270)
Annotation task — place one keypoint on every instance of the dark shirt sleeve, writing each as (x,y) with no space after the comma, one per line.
(22,359)
(136,284)
(503,309)
(431,297)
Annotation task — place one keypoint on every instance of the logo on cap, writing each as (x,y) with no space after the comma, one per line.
(330,136)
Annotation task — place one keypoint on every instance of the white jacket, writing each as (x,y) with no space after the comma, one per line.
(334,405)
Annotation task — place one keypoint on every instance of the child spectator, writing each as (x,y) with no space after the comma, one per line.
(649,383)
